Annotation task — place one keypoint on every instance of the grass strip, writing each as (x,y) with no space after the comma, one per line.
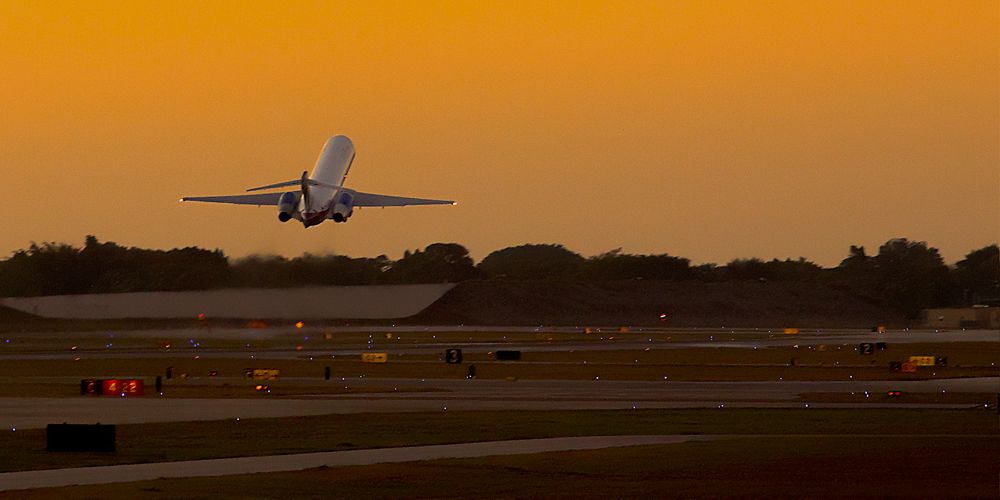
(156,442)
(758,467)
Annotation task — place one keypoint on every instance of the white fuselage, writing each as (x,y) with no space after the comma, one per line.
(322,196)
(331,168)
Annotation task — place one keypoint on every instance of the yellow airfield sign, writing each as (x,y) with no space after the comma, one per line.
(374,357)
(261,373)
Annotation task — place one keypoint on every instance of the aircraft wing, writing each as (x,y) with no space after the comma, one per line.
(240,199)
(382,200)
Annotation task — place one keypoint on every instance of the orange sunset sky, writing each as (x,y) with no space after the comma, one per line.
(711,130)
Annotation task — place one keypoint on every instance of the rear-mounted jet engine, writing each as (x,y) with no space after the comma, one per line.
(286,206)
(344,207)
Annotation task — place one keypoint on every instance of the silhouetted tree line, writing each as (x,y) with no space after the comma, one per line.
(60,269)
(904,274)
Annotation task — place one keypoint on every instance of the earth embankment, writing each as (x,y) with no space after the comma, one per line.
(641,302)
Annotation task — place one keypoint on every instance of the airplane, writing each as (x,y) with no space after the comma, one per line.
(323,195)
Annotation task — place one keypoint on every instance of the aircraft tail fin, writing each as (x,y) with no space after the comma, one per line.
(304,181)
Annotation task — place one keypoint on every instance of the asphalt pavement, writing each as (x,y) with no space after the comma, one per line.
(472,395)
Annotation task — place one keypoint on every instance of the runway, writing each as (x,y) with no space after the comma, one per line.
(282,463)
(473,395)
(302,392)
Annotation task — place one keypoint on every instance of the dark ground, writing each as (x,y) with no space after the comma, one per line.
(640,302)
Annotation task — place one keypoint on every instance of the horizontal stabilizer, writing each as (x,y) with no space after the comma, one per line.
(296,182)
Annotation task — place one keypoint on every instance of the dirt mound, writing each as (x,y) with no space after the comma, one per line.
(641,302)
(11,315)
